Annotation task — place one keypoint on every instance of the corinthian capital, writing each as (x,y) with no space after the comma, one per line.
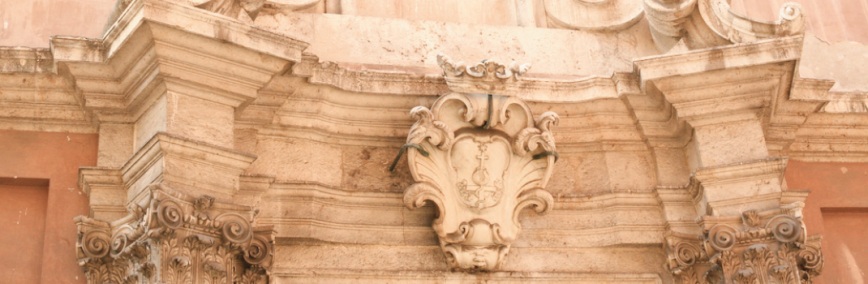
(175,238)
(760,247)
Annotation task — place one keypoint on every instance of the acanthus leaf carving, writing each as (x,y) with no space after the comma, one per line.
(174,238)
(767,247)
(483,159)
(487,76)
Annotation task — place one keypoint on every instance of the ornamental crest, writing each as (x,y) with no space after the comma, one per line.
(480,159)
(486,178)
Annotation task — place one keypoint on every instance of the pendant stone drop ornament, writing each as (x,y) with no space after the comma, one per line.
(480,159)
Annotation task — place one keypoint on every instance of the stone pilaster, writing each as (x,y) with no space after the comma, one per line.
(750,228)
(164,86)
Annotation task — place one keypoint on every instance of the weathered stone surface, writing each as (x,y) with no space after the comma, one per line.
(675,119)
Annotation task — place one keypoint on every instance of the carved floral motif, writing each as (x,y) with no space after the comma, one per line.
(487,76)
(187,240)
(763,249)
(481,160)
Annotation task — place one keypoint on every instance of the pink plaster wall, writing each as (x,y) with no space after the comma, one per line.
(32,22)
(55,157)
(837,209)
(829,20)
(22,217)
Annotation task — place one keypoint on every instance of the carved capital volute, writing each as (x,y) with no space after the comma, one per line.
(174,238)
(684,256)
(480,159)
(760,247)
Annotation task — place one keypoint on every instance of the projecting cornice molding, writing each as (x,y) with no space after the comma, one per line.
(157,47)
(797,114)
(169,160)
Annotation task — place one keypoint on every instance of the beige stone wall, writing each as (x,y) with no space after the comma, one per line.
(262,135)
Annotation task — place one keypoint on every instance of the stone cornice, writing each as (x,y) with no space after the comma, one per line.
(204,23)
(793,112)
(92,178)
(34,98)
(155,43)
(378,218)
(165,157)
(533,88)
(25,60)
(322,113)
(134,69)
(367,80)
(772,167)
(725,57)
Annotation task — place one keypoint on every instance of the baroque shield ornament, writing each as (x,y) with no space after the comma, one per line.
(480,159)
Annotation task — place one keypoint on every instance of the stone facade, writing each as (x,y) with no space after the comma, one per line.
(321,141)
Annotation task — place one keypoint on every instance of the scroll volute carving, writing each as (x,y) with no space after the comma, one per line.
(176,238)
(480,159)
(766,248)
(684,255)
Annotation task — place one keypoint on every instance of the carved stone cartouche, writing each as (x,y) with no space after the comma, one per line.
(483,159)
